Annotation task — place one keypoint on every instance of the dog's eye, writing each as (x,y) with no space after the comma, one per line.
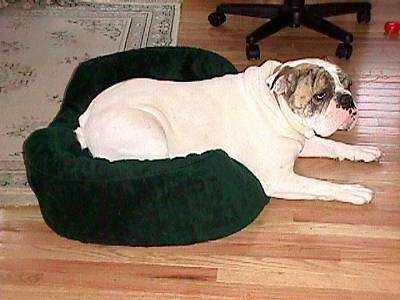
(320,96)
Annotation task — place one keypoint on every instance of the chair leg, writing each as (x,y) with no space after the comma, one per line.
(335,9)
(268,11)
(325,27)
(267,29)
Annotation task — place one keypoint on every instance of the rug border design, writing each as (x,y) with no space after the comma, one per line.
(118,6)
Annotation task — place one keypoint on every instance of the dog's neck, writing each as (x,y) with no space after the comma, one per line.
(255,79)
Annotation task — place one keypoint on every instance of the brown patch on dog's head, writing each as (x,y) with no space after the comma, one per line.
(307,88)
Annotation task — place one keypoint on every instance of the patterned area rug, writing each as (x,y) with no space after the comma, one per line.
(39,49)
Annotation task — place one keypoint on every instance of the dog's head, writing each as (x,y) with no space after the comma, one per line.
(318,92)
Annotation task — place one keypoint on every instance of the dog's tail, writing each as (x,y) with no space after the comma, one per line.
(79,131)
(81,137)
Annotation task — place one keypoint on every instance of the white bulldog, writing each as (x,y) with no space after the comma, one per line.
(264,117)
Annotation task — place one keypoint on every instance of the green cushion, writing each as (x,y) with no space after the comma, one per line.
(143,203)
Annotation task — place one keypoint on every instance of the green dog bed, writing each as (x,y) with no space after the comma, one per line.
(142,203)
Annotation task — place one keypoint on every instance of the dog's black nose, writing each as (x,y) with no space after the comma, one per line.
(345,101)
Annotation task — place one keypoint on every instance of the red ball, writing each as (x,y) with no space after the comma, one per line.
(392,27)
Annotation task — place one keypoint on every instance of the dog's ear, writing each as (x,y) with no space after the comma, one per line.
(283,80)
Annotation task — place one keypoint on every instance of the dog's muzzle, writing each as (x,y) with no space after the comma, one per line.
(347,103)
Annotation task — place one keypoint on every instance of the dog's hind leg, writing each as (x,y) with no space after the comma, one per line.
(127,134)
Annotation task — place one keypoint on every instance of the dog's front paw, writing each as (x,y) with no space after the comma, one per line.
(356,194)
(362,153)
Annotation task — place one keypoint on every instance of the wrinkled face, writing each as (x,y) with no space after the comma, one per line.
(318,92)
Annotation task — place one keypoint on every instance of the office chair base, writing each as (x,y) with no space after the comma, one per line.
(294,13)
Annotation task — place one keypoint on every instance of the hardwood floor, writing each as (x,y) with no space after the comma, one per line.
(293,249)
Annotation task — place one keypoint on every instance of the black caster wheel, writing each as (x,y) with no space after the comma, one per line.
(252,51)
(364,16)
(216,19)
(344,50)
